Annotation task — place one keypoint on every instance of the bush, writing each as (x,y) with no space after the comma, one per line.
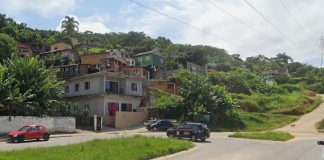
(282,79)
(290,87)
(249,105)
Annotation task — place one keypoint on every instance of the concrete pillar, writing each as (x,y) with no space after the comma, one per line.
(95,122)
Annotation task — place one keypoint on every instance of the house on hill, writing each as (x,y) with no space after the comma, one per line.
(24,50)
(149,59)
(60,46)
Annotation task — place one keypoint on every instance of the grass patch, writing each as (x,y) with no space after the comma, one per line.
(137,147)
(95,50)
(296,103)
(274,136)
(256,122)
(320,126)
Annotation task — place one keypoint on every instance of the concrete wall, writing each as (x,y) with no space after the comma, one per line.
(135,101)
(96,86)
(54,124)
(129,90)
(95,103)
(60,46)
(129,119)
(93,58)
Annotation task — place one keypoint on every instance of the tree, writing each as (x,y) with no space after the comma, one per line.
(283,59)
(70,25)
(29,89)
(199,95)
(7,46)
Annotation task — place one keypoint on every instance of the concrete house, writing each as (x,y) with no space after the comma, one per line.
(105,94)
(68,54)
(60,46)
(24,50)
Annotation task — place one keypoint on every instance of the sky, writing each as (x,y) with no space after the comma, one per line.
(290,26)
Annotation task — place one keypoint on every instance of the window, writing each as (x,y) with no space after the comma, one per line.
(147,58)
(126,107)
(76,87)
(87,85)
(86,107)
(134,86)
(66,89)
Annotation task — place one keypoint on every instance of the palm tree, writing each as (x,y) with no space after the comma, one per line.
(70,25)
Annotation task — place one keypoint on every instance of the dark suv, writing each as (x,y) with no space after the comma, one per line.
(193,131)
(159,125)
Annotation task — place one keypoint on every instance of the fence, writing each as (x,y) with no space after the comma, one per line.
(54,124)
(129,119)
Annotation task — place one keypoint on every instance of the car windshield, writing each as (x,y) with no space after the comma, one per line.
(25,128)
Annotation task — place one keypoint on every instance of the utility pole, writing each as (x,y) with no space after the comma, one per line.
(322,47)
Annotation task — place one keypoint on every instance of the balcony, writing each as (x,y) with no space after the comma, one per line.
(116,91)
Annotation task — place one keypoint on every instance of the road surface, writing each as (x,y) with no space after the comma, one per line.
(220,147)
(306,123)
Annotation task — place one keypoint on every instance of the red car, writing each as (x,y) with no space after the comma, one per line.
(29,132)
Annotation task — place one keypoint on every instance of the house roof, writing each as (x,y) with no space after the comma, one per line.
(107,73)
(55,51)
(154,51)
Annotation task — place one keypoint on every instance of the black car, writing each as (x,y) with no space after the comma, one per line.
(159,125)
(194,131)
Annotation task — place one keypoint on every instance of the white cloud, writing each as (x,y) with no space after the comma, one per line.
(95,23)
(46,8)
(207,17)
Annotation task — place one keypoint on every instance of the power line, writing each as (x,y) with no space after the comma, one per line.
(239,20)
(293,17)
(192,26)
(272,25)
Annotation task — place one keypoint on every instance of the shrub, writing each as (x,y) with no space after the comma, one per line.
(249,105)
(291,87)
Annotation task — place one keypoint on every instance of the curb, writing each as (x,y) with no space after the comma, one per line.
(170,156)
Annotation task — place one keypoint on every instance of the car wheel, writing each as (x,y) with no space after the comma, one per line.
(203,139)
(193,138)
(20,139)
(46,137)
(155,129)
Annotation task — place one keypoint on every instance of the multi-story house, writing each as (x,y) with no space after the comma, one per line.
(105,93)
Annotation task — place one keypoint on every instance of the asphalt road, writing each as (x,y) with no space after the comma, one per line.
(220,147)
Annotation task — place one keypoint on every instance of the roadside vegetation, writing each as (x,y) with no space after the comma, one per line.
(132,148)
(274,136)
(320,126)
(252,105)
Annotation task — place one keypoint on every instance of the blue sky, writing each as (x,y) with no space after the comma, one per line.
(299,21)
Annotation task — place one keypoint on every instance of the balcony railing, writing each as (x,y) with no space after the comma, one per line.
(115,90)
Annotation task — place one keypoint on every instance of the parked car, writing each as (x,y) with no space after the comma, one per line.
(194,131)
(29,132)
(159,125)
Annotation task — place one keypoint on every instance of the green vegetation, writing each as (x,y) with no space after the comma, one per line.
(250,121)
(27,88)
(320,126)
(295,103)
(96,50)
(274,136)
(132,148)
